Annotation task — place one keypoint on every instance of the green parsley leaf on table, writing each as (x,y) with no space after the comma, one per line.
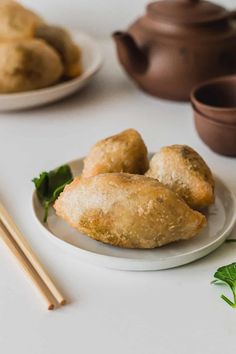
(50,184)
(227,275)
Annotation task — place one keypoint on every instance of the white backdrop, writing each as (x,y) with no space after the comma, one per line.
(169,312)
(98,17)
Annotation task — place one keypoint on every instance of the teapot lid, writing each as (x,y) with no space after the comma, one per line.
(186,11)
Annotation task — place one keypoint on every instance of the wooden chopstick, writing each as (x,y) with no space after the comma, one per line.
(24,263)
(18,237)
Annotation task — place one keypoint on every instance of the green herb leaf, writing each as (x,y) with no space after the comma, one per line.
(227,275)
(50,184)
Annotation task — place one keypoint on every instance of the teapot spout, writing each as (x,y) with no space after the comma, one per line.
(130,55)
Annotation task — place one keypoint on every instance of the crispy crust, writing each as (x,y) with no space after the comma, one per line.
(124,152)
(125,210)
(184,171)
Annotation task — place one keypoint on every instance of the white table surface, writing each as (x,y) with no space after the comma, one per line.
(172,311)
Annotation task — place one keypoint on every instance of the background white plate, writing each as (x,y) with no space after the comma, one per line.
(221,218)
(91,61)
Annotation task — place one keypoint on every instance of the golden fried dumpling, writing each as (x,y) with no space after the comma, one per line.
(16,22)
(124,152)
(27,65)
(184,171)
(126,210)
(62,42)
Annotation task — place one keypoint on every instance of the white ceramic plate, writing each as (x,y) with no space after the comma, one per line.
(91,61)
(221,219)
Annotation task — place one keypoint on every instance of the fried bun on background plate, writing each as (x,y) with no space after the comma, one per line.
(62,42)
(28,64)
(16,22)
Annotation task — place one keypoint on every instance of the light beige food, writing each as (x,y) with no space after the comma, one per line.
(62,42)
(127,210)
(124,152)
(183,170)
(27,65)
(16,22)
(48,55)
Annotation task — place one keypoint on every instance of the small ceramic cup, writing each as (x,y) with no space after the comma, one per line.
(220,137)
(216,99)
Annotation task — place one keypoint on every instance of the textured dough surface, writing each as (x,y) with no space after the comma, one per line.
(124,152)
(62,42)
(27,65)
(182,169)
(125,210)
(16,22)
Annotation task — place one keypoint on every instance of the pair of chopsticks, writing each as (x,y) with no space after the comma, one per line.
(15,241)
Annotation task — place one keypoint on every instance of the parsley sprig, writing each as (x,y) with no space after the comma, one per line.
(227,275)
(50,184)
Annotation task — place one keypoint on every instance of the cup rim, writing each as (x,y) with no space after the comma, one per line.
(216,80)
(203,116)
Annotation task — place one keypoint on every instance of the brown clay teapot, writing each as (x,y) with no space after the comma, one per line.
(176,45)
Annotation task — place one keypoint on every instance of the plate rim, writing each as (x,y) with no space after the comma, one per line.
(141,264)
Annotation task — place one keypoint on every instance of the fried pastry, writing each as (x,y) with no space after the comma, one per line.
(126,210)
(183,170)
(124,152)
(61,41)
(16,22)
(27,65)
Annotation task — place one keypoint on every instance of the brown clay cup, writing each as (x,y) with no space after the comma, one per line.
(220,137)
(216,99)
